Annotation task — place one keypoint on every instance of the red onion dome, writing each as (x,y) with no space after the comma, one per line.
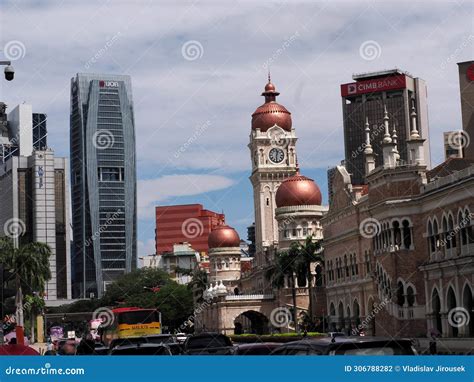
(298,190)
(223,236)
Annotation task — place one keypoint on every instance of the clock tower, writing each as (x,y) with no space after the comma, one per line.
(273,154)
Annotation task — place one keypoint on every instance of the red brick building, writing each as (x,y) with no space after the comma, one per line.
(399,250)
(184,223)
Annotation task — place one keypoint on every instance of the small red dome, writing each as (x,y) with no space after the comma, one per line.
(223,236)
(298,190)
(269,87)
(271,113)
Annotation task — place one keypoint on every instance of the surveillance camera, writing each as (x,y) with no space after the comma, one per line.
(9,73)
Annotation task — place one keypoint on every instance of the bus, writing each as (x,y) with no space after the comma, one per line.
(131,322)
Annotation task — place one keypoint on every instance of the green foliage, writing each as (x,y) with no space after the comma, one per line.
(174,301)
(30,263)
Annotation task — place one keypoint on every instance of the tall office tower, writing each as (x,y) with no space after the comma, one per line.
(35,196)
(21,132)
(453,144)
(466,84)
(367,98)
(103,181)
(40,132)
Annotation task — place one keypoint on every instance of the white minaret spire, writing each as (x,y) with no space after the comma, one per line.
(368,151)
(414,131)
(386,137)
(395,141)
(368,146)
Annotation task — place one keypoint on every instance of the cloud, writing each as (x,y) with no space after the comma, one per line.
(151,192)
(144,248)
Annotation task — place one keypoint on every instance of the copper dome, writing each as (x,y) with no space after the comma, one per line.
(298,190)
(271,113)
(223,236)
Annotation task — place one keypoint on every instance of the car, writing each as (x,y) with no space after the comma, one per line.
(336,334)
(353,345)
(141,349)
(208,344)
(181,337)
(261,348)
(158,339)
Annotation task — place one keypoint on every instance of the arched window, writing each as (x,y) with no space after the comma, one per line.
(431,239)
(444,234)
(397,235)
(436,234)
(406,234)
(400,294)
(463,230)
(410,296)
(451,233)
(468,219)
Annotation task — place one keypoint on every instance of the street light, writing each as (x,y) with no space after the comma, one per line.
(9,71)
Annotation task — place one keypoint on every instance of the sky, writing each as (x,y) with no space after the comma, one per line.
(198,69)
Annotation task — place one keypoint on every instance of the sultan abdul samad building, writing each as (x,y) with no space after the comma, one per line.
(398,250)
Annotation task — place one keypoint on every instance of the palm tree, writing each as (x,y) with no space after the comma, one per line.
(308,253)
(34,305)
(30,265)
(286,265)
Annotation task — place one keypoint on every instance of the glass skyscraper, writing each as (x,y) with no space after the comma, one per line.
(103,181)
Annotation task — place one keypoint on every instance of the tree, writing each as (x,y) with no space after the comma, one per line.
(30,264)
(34,305)
(286,265)
(151,288)
(308,253)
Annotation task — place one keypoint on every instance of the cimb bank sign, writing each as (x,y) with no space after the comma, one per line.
(108,84)
(374,85)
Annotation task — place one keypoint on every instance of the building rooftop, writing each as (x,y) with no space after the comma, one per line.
(381,73)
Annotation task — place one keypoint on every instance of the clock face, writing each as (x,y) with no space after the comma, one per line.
(276,155)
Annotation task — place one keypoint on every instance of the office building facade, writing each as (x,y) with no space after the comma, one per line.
(103,181)
(185,223)
(466,85)
(366,99)
(35,199)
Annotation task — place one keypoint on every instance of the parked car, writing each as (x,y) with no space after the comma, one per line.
(208,344)
(347,346)
(159,339)
(181,337)
(141,349)
(261,348)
